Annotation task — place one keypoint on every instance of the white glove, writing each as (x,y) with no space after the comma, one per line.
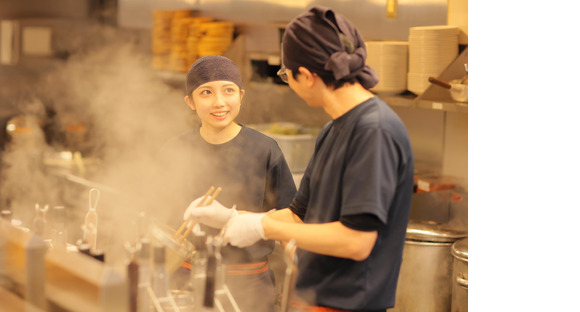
(215,215)
(244,230)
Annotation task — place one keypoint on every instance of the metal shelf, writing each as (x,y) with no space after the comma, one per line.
(406,99)
(411,101)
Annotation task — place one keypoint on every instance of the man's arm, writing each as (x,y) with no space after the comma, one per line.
(332,239)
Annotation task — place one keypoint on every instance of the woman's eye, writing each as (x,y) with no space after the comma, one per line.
(230,90)
(205,92)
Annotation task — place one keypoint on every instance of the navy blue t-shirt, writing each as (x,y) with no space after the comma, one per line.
(362,166)
(250,169)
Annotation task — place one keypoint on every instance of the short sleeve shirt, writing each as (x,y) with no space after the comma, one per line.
(250,169)
(362,164)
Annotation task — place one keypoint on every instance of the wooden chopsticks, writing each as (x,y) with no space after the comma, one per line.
(178,234)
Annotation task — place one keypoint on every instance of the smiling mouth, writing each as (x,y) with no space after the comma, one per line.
(220,114)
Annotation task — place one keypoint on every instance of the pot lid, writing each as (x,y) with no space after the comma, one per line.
(430,231)
(459,249)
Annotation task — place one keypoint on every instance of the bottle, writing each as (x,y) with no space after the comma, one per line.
(160,279)
(144,299)
(210,277)
(39,223)
(133,281)
(59,235)
(198,270)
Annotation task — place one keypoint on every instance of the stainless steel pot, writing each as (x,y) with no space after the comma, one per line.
(425,276)
(459,276)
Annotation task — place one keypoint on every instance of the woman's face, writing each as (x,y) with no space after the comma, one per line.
(217,103)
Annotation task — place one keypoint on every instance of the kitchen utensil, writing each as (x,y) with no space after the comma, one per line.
(191,222)
(39,227)
(290,274)
(184,224)
(176,251)
(92,219)
(457,89)
(459,278)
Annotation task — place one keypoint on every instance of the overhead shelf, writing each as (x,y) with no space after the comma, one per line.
(434,97)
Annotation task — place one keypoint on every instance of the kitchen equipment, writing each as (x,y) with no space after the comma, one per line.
(176,252)
(183,299)
(390,60)
(296,141)
(133,276)
(210,276)
(431,50)
(160,280)
(144,300)
(59,232)
(459,276)
(92,219)
(26,131)
(39,222)
(457,87)
(290,275)
(425,275)
(66,162)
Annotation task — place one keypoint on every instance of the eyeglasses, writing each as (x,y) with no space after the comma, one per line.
(283,74)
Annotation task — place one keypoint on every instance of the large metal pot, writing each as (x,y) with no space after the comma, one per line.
(459,277)
(425,276)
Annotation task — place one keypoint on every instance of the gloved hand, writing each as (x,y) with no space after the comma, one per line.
(244,230)
(215,215)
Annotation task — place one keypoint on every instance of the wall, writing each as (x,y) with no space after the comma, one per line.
(369,15)
(44,8)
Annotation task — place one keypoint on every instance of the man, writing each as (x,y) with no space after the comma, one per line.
(350,214)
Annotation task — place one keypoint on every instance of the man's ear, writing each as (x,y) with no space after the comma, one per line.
(307,74)
(189,102)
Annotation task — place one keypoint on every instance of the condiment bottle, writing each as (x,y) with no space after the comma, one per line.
(160,277)
(198,270)
(144,299)
(210,277)
(59,234)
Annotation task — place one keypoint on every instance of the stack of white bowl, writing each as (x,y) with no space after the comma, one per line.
(431,50)
(390,60)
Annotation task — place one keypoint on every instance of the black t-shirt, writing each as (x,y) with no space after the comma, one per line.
(362,169)
(250,169)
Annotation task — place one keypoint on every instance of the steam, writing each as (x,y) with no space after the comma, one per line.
(129,112)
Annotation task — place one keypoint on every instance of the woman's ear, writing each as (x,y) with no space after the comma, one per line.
(189,102)
(242,92)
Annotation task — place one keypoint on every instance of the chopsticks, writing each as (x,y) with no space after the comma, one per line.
(179,236)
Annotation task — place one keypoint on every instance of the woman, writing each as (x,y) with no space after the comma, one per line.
(248,166)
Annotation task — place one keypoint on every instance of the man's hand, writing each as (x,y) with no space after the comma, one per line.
(214,215)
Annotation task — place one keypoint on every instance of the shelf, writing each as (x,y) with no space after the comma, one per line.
(406,99)
(443,106)
(411,101)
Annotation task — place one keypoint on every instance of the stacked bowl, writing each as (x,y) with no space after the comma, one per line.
(390,60)
(431,50)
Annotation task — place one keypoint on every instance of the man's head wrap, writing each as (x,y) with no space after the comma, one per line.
(212,68)
(327,44)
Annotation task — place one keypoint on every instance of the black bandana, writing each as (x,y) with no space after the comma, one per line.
(327,44)
(212,68)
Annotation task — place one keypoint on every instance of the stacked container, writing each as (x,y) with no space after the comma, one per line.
(431,50)
(390,60)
